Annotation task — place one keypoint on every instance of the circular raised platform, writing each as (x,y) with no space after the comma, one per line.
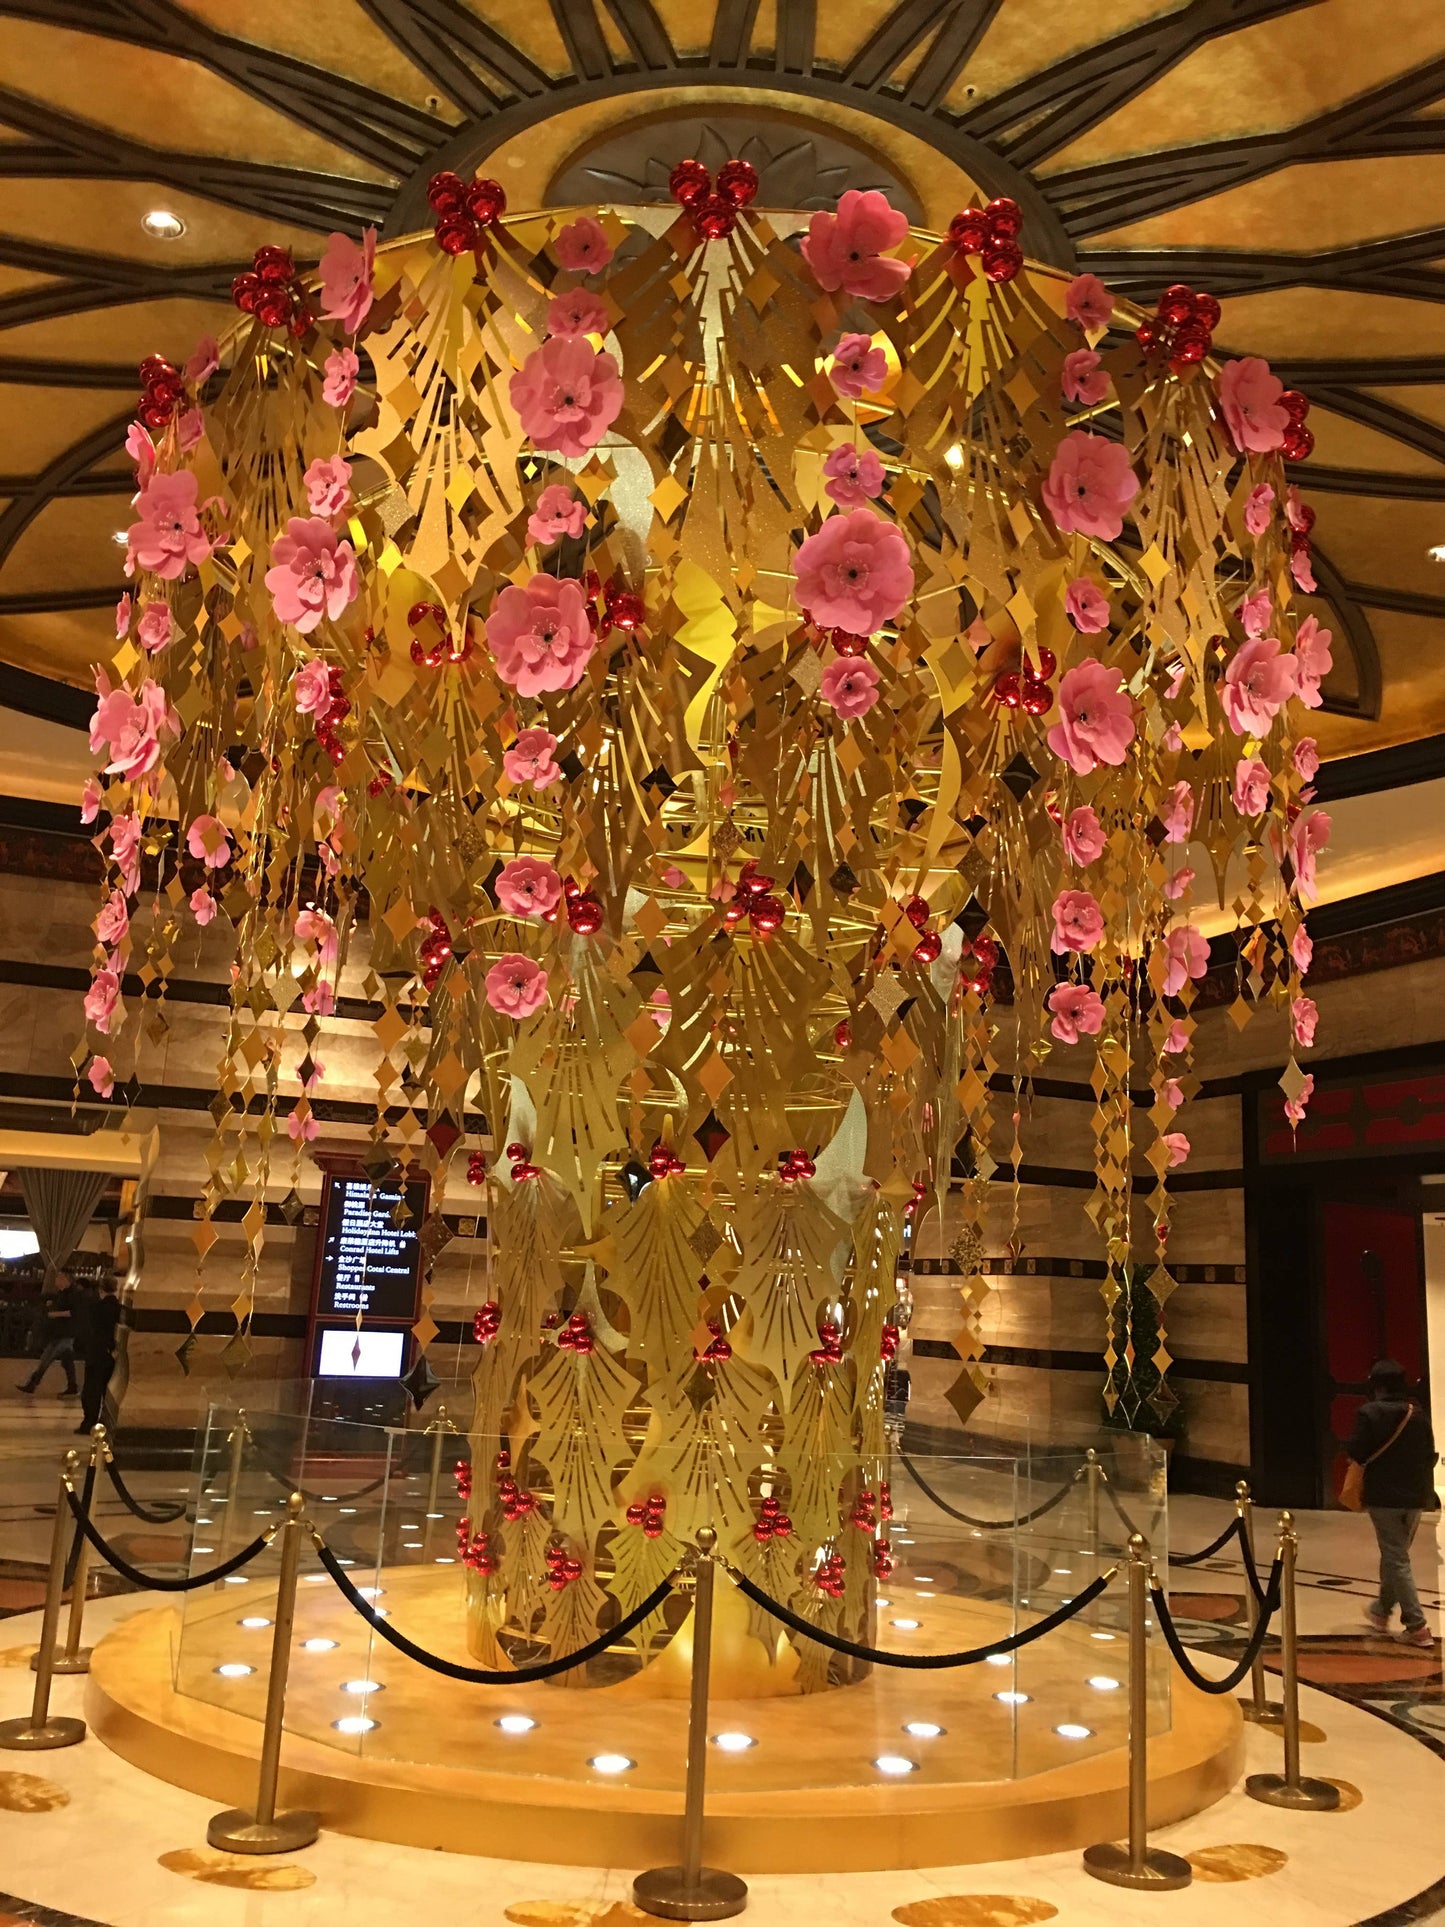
(996,1780)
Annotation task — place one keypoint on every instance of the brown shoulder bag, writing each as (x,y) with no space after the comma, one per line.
(1352,1491)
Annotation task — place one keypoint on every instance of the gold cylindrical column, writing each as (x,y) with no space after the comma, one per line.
(40,1732)
(1137,1864)
(1288,1789)
(266,1830)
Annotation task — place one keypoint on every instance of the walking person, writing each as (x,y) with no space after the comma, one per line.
(97,1314)
(1393,1443)
(58,1305)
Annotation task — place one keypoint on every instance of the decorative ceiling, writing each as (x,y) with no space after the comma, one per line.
(1286,155)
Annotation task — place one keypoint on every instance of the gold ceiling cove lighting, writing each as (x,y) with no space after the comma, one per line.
(712,647)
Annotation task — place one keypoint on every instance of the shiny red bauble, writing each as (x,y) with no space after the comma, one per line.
(795,1166)
(456,234)
(1190,345)
(1207,312)
(445,192)
(1298,443)
(717,1351)
(737,181)
(843,1035)
(1035,696)
(477,1168)
(576,1335)
(929,948)
(1294,404)
(462,1473)
(773,1522)
(273,307)
(486,201)
(623,608)
(714,217)
(1005,217)
(888,1343)
(766,914)
(487,1322)
(689,183)
(1176,305)
(969,231)
(916,911)
(584,913)
(662,1162)
(1008,689)
(1002,261)
(832,1576)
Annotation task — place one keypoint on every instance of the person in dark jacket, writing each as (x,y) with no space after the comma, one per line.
(97,1314)
(1392,1439)
(59,1349)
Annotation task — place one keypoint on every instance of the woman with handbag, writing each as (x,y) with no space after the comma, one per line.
(1391,1475)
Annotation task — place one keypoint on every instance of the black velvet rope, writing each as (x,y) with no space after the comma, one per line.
(920,1662)
(148,1580)
(1233,1529)
(1127,1523)
(485,1675)
(986,1525)
(72,1558)
(1251,1652)
(165,1515)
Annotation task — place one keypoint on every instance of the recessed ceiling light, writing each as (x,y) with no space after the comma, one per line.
(733,1742)
(1437,554)
(611,1763)
(318,1645)
(371,1592)
(233,1669)
(1012,1699)
(253,1623)
(923,1730)
(1102,1683)
(999,1659)
(905,1625)
(515,1723)
(356,1723)
(161,225)
(361,1686)
(896,1764)
(120,537)
(1070,1731)
(237,1579)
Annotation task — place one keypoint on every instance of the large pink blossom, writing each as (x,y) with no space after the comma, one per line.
(346,279)
(578,311)
(848,250)
(1077,1012)
(1177,1145)
(558,512)
(302,1128)
(854,475)
(1307,758)
(1086,606)
(1083,378)
(539,634)
(125,842)
(1295,1107)
(1187,952)
(1178,816)
(1302,569)
(516,986)
(582,246)
(849,686)
(1297,512)
(1090,485)
(1256,612)
(91,798)
(1177,885)
(112,920)
(312,573)
(854,574)
(1176,1040)
(129,725)
(1257,684)
(167,538)
(567,395)
(203,905)
(527,887)
(1096,718)
(1078,922)
(100,999)
(203,361)
(101,1076)
(311,686)
(1310,835)
(1304,1017)
(190,427)
(320,999)
(155,628)
(1249,395)
(319,928)
(1083,836)
(142,451)
(857,367)
(209,843)
(1259,509)
(531,759)
(1312,660)
(123,612)
(1302,949)
(1088,302)
(1251,786)
(327,482)
(340,370)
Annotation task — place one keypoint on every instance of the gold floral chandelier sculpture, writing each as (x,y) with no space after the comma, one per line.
(716,666)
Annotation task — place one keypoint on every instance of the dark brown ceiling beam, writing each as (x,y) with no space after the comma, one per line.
(1397,266)
(1401,602)
(732,32)
(71,463)
(955,26)
(51,602)
(1359,637)
(797,37)
(1389,483)
(446,41)
(31,371)
(1389,418)
(1406,371)
(640,25)
(109,481)
(83,281)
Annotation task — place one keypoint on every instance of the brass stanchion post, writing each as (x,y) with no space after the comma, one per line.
(266,1830)
(40,1732)
(75,1658)
(440,1429)
(1138,1864)
(237,1442)
(1093,1479)
(1259,1709)
(1288,1789)
(693,1891)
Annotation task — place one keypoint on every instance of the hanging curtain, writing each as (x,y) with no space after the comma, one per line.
(60,1205)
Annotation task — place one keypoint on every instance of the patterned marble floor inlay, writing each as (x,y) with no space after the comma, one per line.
(566,1913)
(1237,1862)
(1350,1795)
(28,1793)
(236,1870)
(975,1910)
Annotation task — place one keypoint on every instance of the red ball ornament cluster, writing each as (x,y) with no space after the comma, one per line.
(754,899)
(585,915)
(830,1346)
(717,1351)
(487,1322)
(447,648)
(885,1501)
(843,1034)
(562,1569)
(163,389)
(1299,441)
(464,210)
(713,205)
(436,948)
(663,1162)
(514,1500)
(271,290)
(1027,688)
(977,965)
(622,608)
(991,233)
(475,1549)
(522,1165)
(883,1560)
(649,1513)
(1182,329)
(773,1523)
(888,1343)
(864,1515)
(832,1576)
(462,1473)
(477,1167)
(576,1335)
(795,1166)
(327,719)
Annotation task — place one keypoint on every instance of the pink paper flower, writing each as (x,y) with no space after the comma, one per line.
(1077,1012)
(1177,1040)
(1078,922)
(101,1076)
(203,361)
(1088,302)
(190,427)
(122,616)
(1310,835)
(1096,718)
(558,512)
(1176,682)
(208,842)
(142,451)
(567,395)
(1304,1016)
(125,839)
(1086,606)
(100,999)
(857,367)
(1090,485)
(1297,512)
(1178,884)
(167,538)
(1251,786)
(1083,836)
(1187,951)
(1172,741)
(301,1129)
(849,686)
(314,1076)
(1178,1145)
(1295,1107)
(1307,758)
(1259,509)
(855,475)
(340,370)
(311,686)
(854,574)
(539,635)
(312,573)
(1257,684)
(516,986)
(1082,377)
(156,628)
(1312,660)
(531,759)
(328,485)
(1302,569)
(346,279)
(318,928)
(1302,949)
(582,247)
(320,999)
(578,311)
(129,726)
(1249,395)
(1172,1093)
(91,798)
(203,906)
(528,888)
(1256,612)
(112,920)
(847,250)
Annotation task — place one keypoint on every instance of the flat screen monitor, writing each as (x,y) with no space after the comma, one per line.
(367,1263)
(349,1353)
